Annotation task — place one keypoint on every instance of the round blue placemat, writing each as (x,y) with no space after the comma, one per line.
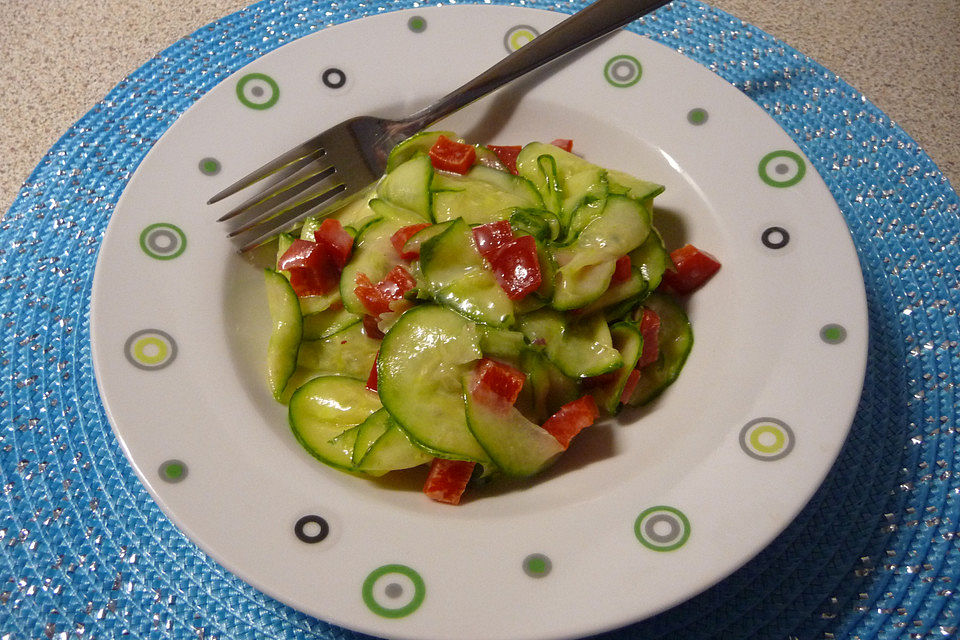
(86,553)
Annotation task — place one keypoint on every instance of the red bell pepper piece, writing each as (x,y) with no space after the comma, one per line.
(450,155)
(336,242)
(312,269)
(499,378)
(693,268)
(571,419)
(399,239)
(372,378)
(448,479)
(376,298)
(507,154)
(630,385)
(516,267)
(563,143)
(650,330)
(370,326)
(623,270)
(489,237)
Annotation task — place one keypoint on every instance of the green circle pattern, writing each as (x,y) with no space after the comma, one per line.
(623,71)
(370,598)
(417,24)
(163,241)
(678,521)
(254,101)
(787,158)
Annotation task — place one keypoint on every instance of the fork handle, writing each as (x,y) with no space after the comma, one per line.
(596,20)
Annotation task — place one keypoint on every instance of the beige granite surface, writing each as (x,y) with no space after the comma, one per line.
(58,57)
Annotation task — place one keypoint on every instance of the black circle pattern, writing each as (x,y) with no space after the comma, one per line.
(300,529)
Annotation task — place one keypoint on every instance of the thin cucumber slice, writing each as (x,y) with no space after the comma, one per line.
(632,289)
(310,305)
(581,349)
(651,258)
(587,264)
(417,143)
(353,213)
(389,211)
(502,344)
(546,388)
(543,225)
(457,277)
(373,256)
(675,342)
(324,324)
(517,446)
(422,359)
(286,334)
(392,451)
(408,185)
(323,409)
(629,342)
(416,241)
(349,352)
(624,183)
(481,196)
(369,431)
(284,240)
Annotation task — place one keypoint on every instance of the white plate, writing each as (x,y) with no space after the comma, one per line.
(643,512)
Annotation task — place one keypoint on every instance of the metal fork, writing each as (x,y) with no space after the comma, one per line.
(345,159)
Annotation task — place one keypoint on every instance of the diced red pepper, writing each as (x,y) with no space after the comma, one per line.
(372,378)
(337,243)
(450,155)
(571,419)
(376,298)
(448,479)
(563,143)
(371,328)
(399,239)
(502,379)
(693,268)
(516,267)
(623,270)
(507,154)
(630,385)
(489,237)
(312,269)
(650,331)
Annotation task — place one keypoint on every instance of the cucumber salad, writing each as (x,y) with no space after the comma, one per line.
(474,310)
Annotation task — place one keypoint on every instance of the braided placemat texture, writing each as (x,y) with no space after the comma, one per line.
(86,553)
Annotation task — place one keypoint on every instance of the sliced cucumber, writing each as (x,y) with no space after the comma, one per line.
(408,185)
(354,213)
(675,342)
(632,289)
(458,278)
(369,431)
(624,183)
(310,305)
(546,388)
(389,211)
(422,359)
(373,256)
(286,334)
(517,446)
(587,264)
(580,349)
(502,344)
(391,451)
(417,143)
(416,240)
(651,258)
(481,195)
(323,409)
(629,342)
(284,240)
(539,223)
(349,352)
(324,324)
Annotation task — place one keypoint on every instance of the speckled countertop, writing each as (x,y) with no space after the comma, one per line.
(61,56)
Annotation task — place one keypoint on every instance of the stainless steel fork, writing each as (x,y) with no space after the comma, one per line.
(345,159)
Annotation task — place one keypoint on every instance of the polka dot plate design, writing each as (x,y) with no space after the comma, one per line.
(92,551)
(190,386)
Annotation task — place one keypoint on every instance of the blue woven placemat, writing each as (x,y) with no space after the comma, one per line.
(86,553)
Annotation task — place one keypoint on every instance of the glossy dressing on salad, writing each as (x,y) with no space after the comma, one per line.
(474,311)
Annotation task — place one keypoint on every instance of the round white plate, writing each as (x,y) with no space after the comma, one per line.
(643,512)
